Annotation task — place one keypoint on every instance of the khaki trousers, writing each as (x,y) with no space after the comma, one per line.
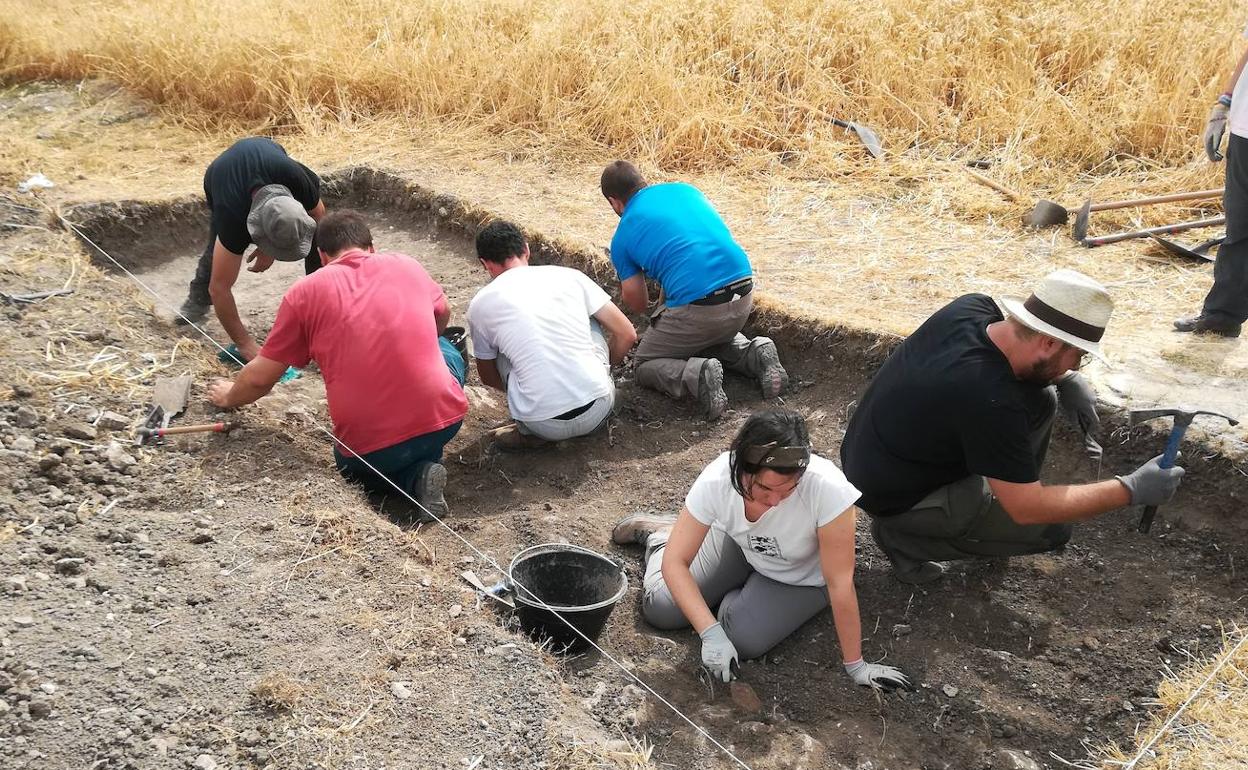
(681,339)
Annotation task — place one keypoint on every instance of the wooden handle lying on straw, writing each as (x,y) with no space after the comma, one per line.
(211,427)
(1174,198)
(1162,230)
(994,184)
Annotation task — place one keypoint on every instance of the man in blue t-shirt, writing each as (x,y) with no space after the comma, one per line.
(671,234)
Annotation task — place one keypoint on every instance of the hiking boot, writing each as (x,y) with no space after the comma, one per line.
(1209,324)
(428,488)
(711,393)
(772,378)
(913,572)
(638,527)
(192,311)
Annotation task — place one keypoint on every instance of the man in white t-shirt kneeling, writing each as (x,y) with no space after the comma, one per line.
(538,335)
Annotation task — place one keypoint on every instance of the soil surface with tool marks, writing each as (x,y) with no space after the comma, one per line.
(230,598)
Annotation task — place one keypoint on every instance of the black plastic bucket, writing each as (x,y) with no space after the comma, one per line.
(458,337)
(575,583)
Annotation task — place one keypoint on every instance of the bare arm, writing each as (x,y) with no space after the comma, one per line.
(254,382)
(442,313)
(622,336)
(1035,503)
(317,211)
(682,545)
(836,558)
(487,370)
(634,293)
(225,267)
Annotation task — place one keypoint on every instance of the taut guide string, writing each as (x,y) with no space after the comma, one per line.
(536,600)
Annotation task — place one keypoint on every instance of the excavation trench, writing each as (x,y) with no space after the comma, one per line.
(1046,654)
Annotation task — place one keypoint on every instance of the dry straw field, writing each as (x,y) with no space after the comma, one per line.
(1093,90)
(690,85)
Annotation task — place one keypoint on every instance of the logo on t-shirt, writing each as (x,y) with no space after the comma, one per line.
(767,546)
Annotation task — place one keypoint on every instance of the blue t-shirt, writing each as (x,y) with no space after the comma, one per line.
(671,233)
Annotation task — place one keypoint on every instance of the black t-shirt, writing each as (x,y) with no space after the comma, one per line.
(241,170)
(944,406)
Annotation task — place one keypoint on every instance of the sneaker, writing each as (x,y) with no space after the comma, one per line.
(711,393)
(429,486)
(509,439)
(1209,324)
(192,311)
(638,527)
(772,378)
(913,572)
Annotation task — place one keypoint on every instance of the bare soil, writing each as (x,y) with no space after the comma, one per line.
(238,601)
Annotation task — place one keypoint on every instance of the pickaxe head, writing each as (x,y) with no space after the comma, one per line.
(1080,230)
(1181,416)
(1046,214)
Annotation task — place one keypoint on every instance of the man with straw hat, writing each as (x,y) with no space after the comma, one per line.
(670,233)
(257,194)
(948,440)
(1226,305)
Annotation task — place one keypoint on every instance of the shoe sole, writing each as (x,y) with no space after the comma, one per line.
(772,378)
(714,403)
(626,530)
(429,489)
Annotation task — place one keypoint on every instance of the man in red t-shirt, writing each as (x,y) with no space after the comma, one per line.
(372,322)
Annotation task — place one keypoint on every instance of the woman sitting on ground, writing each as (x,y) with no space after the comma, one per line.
(767,534)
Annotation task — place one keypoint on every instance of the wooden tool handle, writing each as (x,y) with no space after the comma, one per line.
(1162,230)
(994,184)
(1176,197)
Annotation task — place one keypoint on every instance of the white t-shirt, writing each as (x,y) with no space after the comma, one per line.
(1238,117)
(783,544)
(538,317)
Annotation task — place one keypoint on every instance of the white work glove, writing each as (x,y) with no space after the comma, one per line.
(1078,401)
(1214,130)
(718,654)
(1150,484)
(876,675)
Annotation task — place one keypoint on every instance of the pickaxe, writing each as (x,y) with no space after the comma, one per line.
(1080,229)
(1182,420)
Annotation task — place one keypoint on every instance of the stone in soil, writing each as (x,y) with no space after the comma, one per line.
(25,417)
(112,421)
(1010,759)
(79,430)
(118,458)
(22,444)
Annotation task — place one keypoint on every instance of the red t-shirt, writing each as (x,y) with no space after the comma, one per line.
(367,320)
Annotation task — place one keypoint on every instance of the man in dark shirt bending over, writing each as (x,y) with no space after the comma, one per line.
(949,438)
(257,194)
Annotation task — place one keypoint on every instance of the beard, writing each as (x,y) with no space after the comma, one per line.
(1044,371)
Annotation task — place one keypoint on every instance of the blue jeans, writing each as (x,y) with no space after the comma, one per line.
(402,462)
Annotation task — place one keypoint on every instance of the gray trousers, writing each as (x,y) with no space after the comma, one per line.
(584,423)
(756,612)
(963,520)
(680,339)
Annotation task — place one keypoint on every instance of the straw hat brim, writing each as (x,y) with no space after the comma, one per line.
(1014,308)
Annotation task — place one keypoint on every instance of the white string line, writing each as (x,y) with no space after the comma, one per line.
(536,599)
(1178,712)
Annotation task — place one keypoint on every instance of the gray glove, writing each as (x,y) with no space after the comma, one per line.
(718,654)
(1214,130)
(1150,484)
(1078,401)
(876,675)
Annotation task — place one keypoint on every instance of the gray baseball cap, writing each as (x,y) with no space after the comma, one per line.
(279,225)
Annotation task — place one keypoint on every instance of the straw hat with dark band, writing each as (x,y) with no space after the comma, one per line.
(1068,306)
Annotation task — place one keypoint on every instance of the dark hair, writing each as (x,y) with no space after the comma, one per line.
(779,426)
(499,241)
(342,229)
(621,180)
